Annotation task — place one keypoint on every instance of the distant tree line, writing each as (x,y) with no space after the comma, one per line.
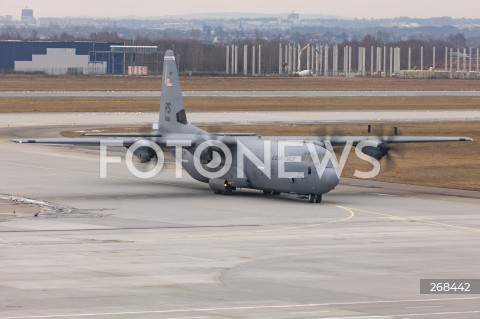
(199,57)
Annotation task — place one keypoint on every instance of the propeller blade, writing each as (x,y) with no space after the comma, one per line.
(394,150)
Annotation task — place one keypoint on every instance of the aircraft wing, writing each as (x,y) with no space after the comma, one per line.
(126,139)
(74,141)
(340,140)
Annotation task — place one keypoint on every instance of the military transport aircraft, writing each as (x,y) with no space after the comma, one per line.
(274,165)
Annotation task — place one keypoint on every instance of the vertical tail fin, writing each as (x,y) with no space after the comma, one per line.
(172,116)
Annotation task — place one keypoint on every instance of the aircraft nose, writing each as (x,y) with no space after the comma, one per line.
(329,180)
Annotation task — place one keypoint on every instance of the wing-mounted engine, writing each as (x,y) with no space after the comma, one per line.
(377,152)
(383,149)
(145,154)
(212,156)
(211,152)
(208,156)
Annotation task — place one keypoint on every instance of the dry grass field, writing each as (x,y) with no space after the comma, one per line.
(451,165)
(19,82)
(217,104)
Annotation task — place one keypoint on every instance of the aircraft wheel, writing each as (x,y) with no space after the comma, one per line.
(217,191)
(318,198)
(311,198)
(275,193)
(228,191)
(267,192)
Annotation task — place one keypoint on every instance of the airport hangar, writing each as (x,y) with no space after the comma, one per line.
(75,57)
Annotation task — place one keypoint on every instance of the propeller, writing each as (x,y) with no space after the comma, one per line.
(327,132)
(212,157)
(145,154)
(384,150)
(388,151)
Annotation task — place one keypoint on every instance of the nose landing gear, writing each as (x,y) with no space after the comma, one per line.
(312,198)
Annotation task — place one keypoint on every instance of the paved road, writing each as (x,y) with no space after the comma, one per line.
(258,94)
(141,118)
(169,248)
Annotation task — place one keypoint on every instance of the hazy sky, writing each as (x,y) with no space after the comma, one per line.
(148,8)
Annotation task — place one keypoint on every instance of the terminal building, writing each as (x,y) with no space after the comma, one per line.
(51,57)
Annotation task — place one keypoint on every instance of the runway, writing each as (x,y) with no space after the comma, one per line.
(253,94)
(123,247)
(148,118)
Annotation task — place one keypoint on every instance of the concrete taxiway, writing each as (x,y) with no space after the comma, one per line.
(124,247)
(148,118)
(255,94)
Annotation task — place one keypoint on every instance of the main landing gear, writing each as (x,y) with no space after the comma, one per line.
(269,192)
(227,191)
(312,198)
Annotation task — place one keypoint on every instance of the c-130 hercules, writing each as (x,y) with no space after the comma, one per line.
(273,164)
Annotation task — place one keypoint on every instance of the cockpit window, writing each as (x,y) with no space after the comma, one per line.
(307,158)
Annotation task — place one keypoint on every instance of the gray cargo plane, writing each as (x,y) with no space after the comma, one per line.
(274,165)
